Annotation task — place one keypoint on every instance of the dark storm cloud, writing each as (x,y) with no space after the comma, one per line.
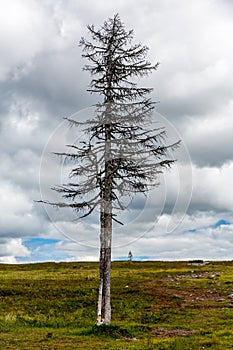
(56,83)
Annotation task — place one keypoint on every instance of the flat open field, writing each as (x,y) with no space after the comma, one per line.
(155,305)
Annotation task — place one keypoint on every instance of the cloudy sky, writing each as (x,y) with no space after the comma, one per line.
(41,82)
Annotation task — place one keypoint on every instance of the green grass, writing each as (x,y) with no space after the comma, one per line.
(155,305)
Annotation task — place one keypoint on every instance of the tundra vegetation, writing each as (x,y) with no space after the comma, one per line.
(155,305)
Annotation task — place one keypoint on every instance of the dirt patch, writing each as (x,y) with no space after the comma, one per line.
(163,332)
(172,290)
(209,274)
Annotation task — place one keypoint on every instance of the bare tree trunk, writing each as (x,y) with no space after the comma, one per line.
(107,271)
(104,305)
(104,298)
(101,281)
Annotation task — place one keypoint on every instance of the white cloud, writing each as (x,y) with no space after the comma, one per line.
(206,242)
(17,217)
(22,35)
(75,252)
(30,29)
(213,187)
(11,249)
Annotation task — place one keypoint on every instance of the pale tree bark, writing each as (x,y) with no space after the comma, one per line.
(104,296)
(101,279)
(104,300)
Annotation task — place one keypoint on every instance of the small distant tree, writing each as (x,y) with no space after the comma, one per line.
(130,256)
(123,155)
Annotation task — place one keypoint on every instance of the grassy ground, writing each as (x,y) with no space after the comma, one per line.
(155,305)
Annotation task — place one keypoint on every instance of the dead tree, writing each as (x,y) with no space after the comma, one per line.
(122,155)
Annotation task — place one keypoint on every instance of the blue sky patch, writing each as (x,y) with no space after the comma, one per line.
(33,243)
(135,258)
(192,230)
(221,223)
(42,249)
